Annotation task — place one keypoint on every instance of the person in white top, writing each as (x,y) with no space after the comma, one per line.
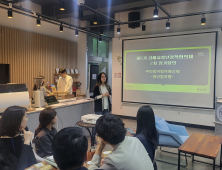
(65,82)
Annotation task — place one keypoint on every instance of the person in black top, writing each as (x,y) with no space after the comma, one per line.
(146,131)
(15,149)
(45,132)
(102,93)
(69,148)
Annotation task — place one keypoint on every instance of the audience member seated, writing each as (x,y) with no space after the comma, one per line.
(146,131)
(69,148)
(128,152)
(45,132)
(15,152)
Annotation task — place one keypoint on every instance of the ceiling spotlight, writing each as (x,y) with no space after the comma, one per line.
(168,24)
(101,31)
(155,12)
(203,20)
(10,13)
(118,29)
(95,20)
(100,39)
(144,27)
(62,5)
(76,32)
(61,28)
(38,21)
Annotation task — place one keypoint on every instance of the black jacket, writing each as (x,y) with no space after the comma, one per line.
(99,102)
(15,160)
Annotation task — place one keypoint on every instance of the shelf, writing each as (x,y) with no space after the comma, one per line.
(69,74)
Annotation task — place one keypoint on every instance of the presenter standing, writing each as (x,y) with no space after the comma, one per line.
(65,82)
(102,93)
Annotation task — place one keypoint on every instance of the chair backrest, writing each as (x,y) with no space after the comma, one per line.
(157,118)
(162,124)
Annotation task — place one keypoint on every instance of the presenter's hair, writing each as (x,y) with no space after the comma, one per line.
(146,125)
(99,82)
(111,129)
(69,148)
(62,70)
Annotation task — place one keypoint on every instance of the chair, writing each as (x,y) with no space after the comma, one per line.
(172,136)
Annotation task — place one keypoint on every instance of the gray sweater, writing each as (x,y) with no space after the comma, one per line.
(128,155)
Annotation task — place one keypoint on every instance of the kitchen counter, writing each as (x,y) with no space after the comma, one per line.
(69,112)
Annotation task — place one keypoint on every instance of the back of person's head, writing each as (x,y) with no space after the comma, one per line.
(10,122)
(62,70)
(146,125)
(69,148)
(111,129)
(45,118)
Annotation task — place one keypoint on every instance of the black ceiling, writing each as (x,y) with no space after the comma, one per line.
(108,7)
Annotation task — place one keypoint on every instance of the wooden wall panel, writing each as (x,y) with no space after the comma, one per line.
(30,54)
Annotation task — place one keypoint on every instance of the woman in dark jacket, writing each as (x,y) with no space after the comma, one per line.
(102,93)
(45,132)
(146,131)
(15,150)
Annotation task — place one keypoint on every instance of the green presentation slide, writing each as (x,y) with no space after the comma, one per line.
(185,70)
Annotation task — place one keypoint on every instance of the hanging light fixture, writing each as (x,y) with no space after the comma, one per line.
(118,29)
(144,27)
(95,20)
(76,32)
(61,28)
(38,22)
(155,12)
(168,24)
(10,13)
(101,31)
(203,20)
(62,5)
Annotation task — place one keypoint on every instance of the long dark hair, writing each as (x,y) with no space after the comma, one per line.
(146,125)
(46,116)
(11,120)
(99,82)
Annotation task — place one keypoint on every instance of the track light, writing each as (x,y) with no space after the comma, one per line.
(62,5)
(10,13)
(144,27)
(38,21)
(203,20)
(95,20)
(168,24)
(76,32)
(155,12)
(61,28)
(101,31)
(100,39)
(118,29)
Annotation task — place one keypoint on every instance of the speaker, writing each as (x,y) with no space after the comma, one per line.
(134,16)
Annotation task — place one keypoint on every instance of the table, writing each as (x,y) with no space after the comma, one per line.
(202,145)
(87,126)
(43,162)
